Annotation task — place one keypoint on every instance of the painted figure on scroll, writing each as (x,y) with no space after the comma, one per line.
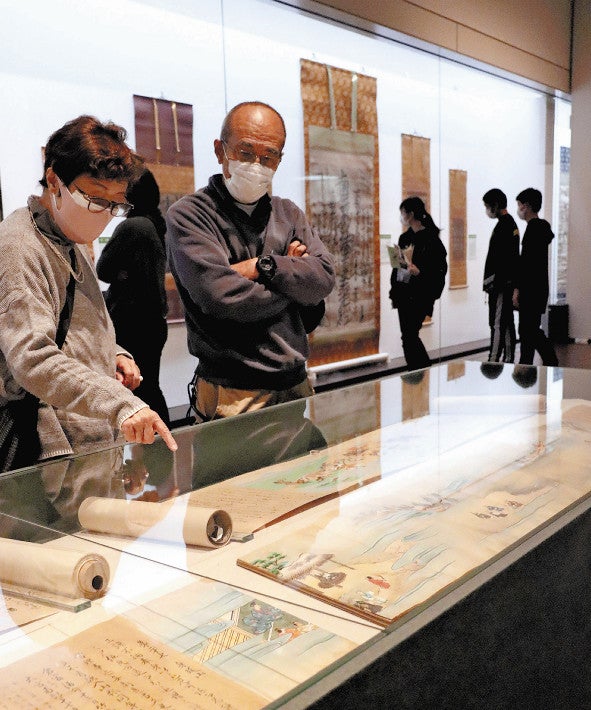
(419,280)
(82,386)
(251,272)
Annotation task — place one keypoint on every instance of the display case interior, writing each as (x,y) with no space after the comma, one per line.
(324,524)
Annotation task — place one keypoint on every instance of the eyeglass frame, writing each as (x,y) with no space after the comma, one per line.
(267,161)
(124,208)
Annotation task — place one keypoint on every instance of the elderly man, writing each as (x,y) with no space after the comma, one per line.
(251,273)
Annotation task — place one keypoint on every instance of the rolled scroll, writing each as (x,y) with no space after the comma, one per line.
(165,522)
(53,569)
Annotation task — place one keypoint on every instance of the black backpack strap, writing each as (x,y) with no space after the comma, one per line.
(66,312)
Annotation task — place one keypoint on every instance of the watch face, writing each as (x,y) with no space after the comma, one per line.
(266,265)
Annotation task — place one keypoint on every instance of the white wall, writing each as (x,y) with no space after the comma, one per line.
(61,59)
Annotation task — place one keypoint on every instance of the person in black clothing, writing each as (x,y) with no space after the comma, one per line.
(133,262)
(499,277)
(530,296)
(418,283)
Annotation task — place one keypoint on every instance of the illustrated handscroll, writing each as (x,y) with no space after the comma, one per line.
(164,138)
(458,231)
(342,199)
(406,539)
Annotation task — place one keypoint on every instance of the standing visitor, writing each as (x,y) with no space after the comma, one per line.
(500,271)
(63,378)
(531,293)
(419,280)
(133,262)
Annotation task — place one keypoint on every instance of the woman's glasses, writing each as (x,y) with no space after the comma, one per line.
(100,204)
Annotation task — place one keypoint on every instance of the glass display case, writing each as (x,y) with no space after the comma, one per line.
(421,537)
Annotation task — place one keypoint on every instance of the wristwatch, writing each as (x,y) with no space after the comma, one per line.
(266,267)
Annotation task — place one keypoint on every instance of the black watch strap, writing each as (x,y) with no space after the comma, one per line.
(266,266)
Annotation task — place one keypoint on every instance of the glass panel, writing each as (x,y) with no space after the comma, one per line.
(368,503)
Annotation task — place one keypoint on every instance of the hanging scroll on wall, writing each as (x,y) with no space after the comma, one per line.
(164,138)
(458,231)
(416,168)
(342,201)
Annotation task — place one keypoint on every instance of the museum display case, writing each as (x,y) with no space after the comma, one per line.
(391,529)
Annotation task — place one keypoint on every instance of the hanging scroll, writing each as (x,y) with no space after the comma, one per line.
(458,233)
(416,168)
(164,138)
(342,199)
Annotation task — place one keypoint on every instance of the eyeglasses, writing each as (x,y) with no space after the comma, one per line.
(268,160)
(100,204)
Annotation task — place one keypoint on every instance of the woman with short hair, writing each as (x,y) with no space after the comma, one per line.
(48,285)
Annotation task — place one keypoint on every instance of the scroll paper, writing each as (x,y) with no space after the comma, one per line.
(115,665)
(165,522)
(53,569)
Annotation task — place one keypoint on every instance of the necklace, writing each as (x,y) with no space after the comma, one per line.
(79,277)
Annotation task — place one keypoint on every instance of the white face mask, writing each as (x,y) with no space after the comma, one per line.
(248,182)
(75,220)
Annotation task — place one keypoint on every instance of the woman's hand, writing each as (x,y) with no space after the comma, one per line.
(414,270)
(127,372)
(142,427)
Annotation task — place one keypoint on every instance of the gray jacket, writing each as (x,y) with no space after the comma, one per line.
(83,405)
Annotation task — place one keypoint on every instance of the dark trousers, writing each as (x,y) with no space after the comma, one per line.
(146,344)
(533,338)
(411,316)
(502,326)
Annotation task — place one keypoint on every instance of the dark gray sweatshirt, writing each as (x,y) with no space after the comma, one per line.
(246,334)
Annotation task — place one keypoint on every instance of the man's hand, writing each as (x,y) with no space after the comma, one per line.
(127,372)
(297,248)
(516,299)
(247,268)
(142,426)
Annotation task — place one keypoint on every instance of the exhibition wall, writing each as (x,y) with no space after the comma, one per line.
(62,59)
